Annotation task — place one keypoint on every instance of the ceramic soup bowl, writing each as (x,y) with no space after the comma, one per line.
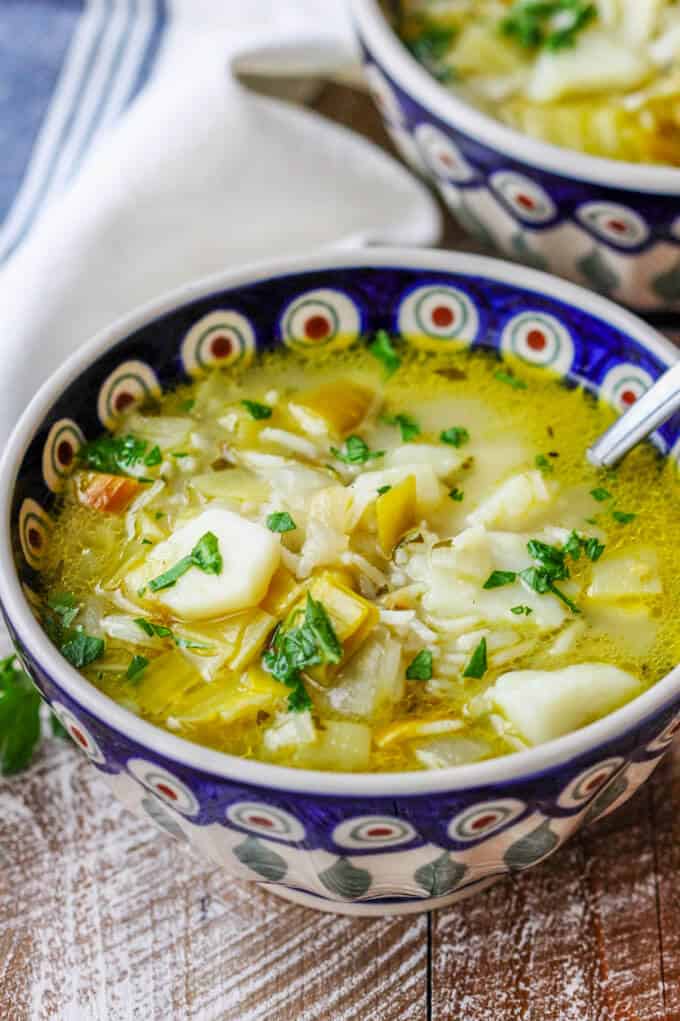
(611,225)
(353,843)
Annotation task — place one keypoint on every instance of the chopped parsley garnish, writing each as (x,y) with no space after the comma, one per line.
(552,565)
(147,542)
(19,717)
(594,548)
(521,611)
(187,405)
(161,631)
(548,24)
(431,45)
(257,411)
(456,436)
(75,645)
(154,457)
(81,649)
(281,521)
(115,455)
(355,451)
(477,665)
(205,555)
(499,578)
(408,426)
(382,348)
(456,494)
(543,464)
(510,380)
(381,490)
(600,494)
(138,665)
(297,647)
(623,517)
(420,667)
(180,453)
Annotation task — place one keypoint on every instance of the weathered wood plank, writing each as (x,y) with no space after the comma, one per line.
(101,919)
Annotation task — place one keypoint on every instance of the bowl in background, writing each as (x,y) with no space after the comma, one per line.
(610,225)
(353,843)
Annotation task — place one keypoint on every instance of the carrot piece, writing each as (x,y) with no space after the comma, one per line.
(111,494)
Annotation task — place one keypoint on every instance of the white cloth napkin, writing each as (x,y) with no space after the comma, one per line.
(199,175)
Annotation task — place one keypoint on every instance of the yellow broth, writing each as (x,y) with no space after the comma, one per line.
(519,424)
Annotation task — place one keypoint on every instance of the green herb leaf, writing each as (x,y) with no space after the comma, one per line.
(510,380)
(521,611)
(281,521)
(64,604)
(381,347)
(552,24)
(146,626)
(153,458)
(499,578)
(420,667)
(408,426)
(601,494)
(138,665)
(257,411)
(623,517)
(19,717)
(594,548)
(57,727)
(381,490)
(180,453)
(432,43)
(205,555)
(456,436)
(543,464)
(536,579)
(81,649)
(115,455)
(318,620)
(294,648)
(457,495)
(355,451)
(187,405)
(477,666)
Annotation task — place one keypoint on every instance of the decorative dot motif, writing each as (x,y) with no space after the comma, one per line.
(589,783)
(437,315)
(130,384)
(164,785)
(367,831)
(523,197)
(484,819)
(63,442)
(34,532)
(322,318)
(266,821)
(78,733)
(615,224)
(623,385)
(219,339)
(442,155)
(664,739)
(539,339)
(383,94)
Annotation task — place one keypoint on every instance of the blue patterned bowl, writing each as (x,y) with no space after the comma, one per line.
(360,844)
(611,225)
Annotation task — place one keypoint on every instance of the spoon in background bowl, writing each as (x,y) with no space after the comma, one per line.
(655,407)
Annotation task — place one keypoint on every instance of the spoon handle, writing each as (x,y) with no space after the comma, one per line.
(649,412)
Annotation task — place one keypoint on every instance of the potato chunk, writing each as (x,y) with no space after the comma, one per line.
(516,503)
(250,555)
(545,704)
(630,574)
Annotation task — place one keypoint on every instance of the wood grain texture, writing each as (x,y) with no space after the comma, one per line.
(104,919)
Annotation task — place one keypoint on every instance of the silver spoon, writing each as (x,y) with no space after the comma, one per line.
(649,412)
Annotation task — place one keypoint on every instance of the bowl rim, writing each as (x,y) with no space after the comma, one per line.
(493,772)
(416,81)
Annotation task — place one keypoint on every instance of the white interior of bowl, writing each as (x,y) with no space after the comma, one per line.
(494,771)
(417,82)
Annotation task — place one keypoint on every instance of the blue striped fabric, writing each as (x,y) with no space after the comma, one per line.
(68,69)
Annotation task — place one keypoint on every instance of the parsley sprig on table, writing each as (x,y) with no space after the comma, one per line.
(19,717)
(298,646)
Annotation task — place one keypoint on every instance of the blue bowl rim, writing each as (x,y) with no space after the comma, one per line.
(418,83)
(521,765)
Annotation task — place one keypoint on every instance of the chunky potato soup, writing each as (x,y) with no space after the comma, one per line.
(601,77)
(372,560)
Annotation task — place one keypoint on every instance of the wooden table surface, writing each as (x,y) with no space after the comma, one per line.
(104,919)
